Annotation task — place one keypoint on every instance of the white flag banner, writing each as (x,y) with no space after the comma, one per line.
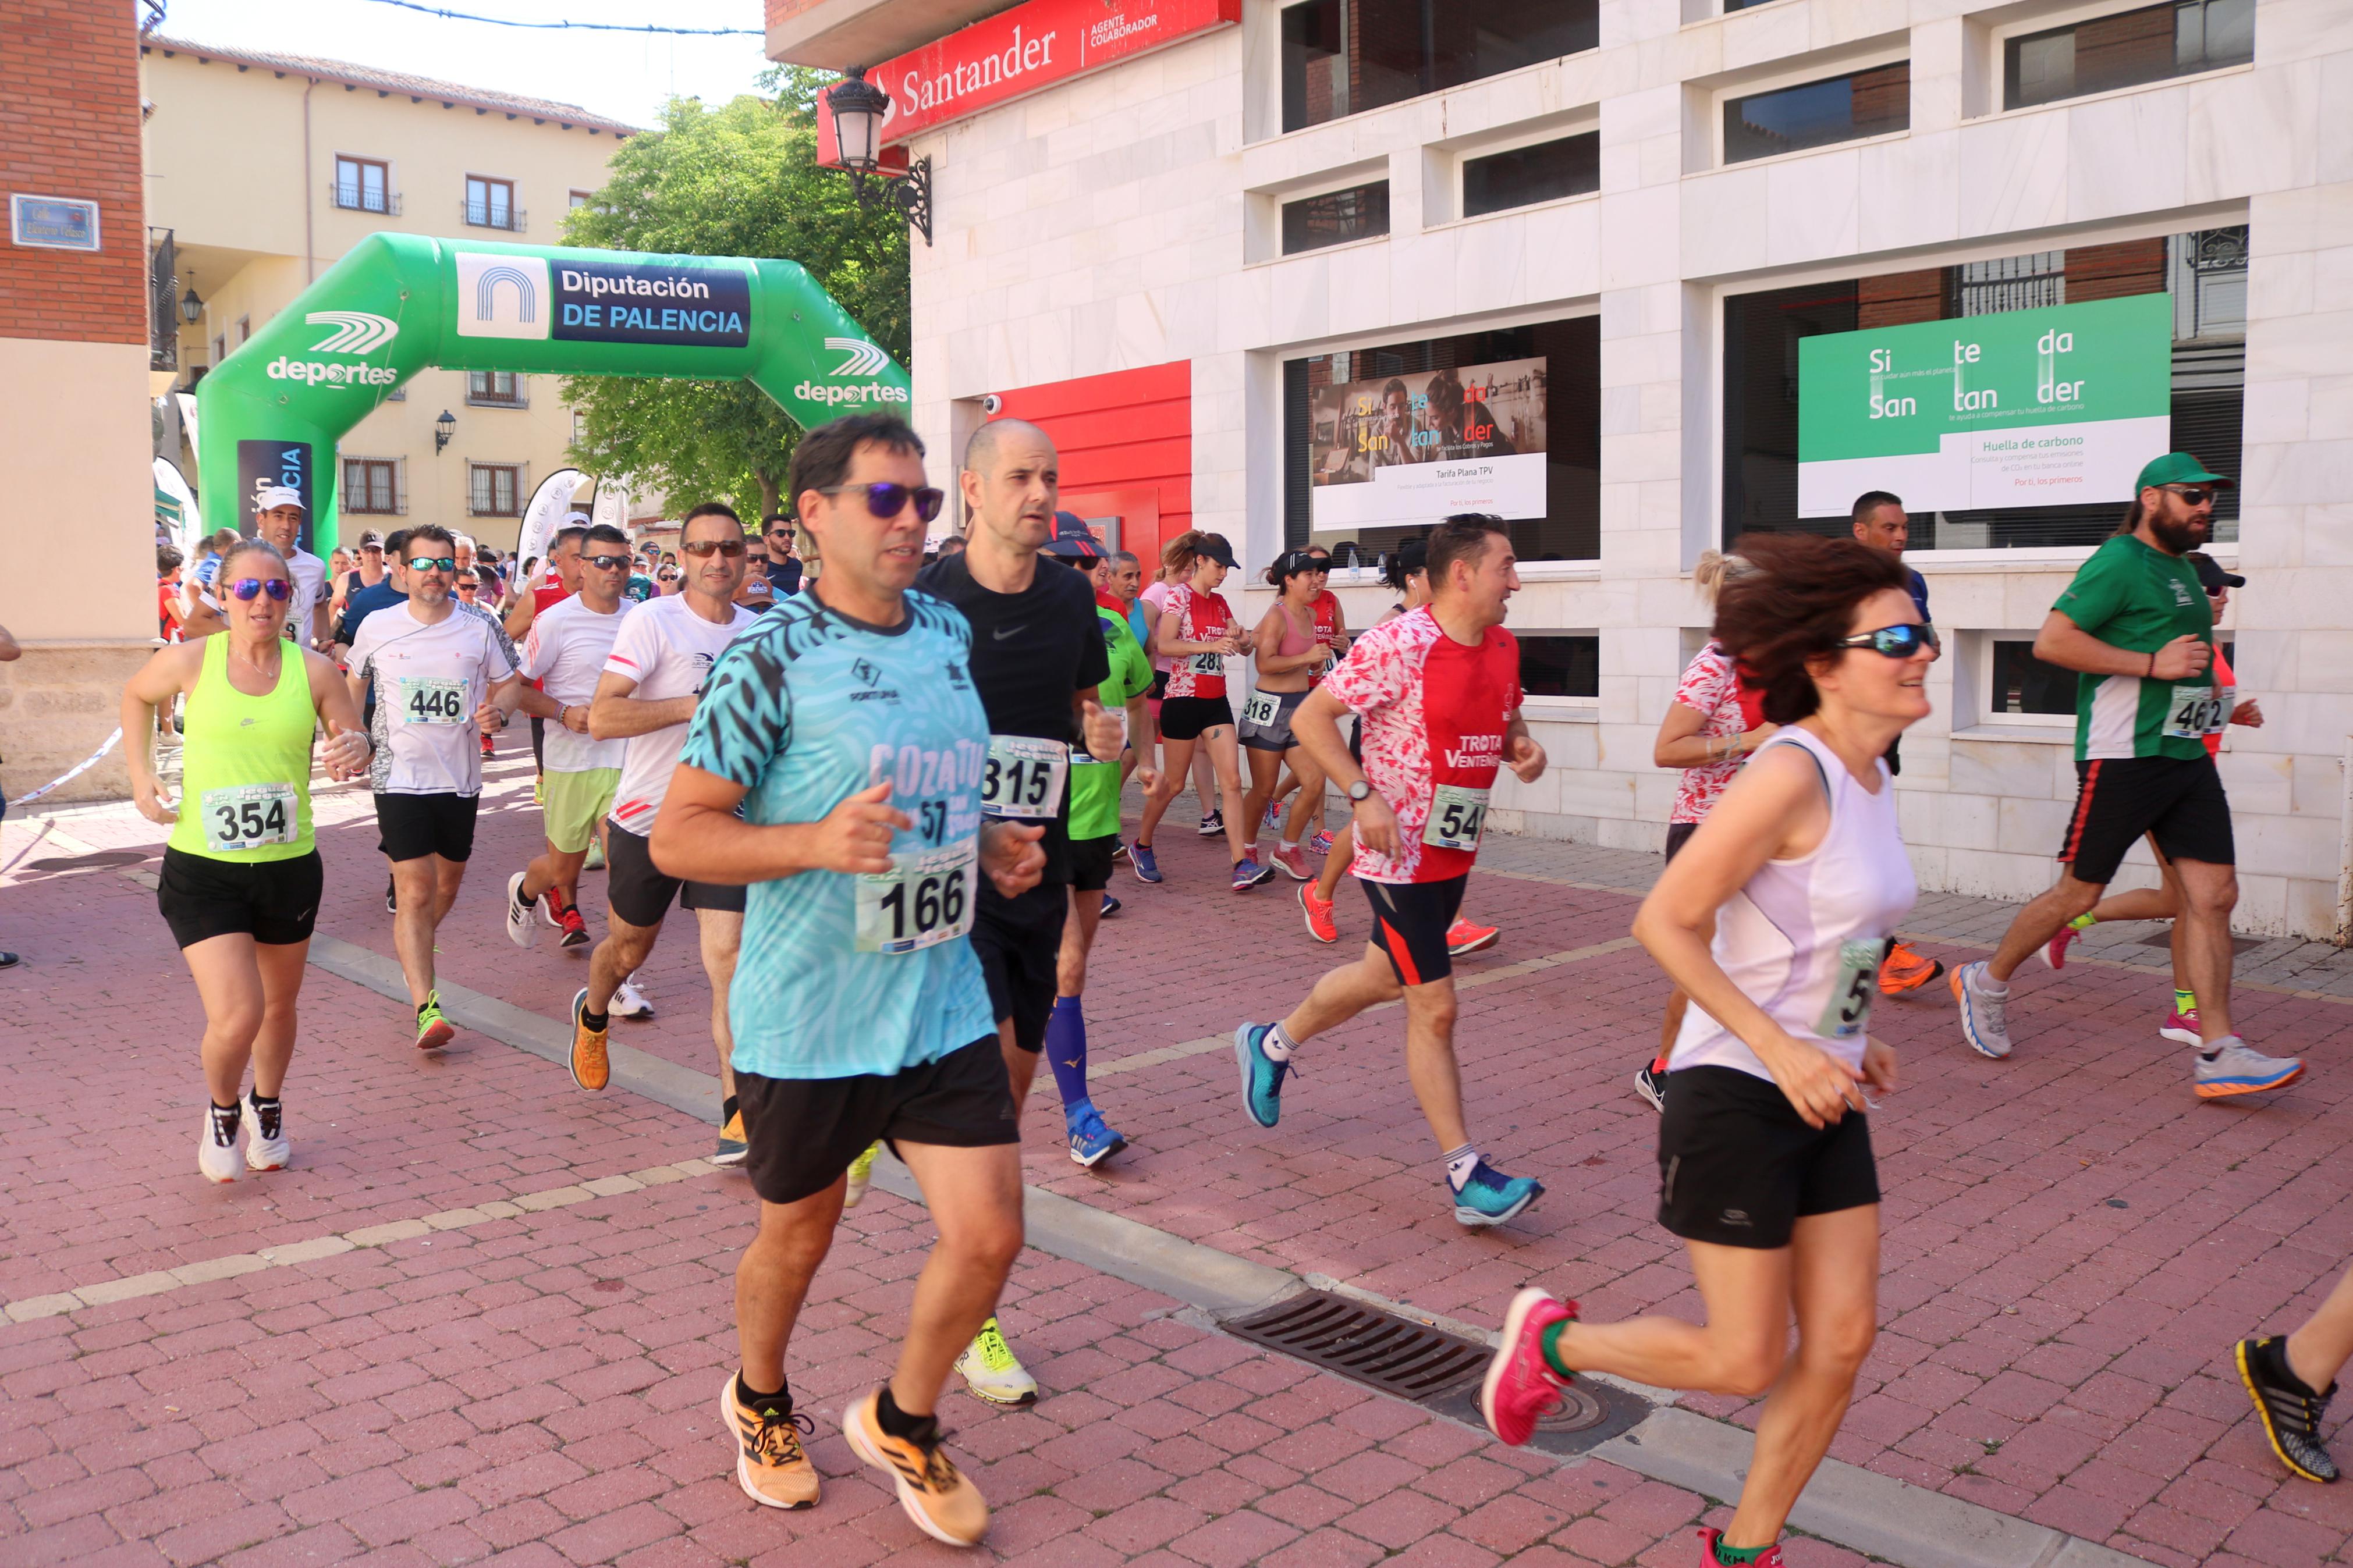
(548,505)
(613,503)
(188,420)
(176,507)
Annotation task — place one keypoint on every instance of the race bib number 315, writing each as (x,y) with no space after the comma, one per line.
(1024,778)
(923,901)
(247,816)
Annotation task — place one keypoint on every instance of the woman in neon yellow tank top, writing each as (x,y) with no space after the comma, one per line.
(241,877)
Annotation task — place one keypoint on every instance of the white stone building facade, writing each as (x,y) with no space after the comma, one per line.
(1131,218)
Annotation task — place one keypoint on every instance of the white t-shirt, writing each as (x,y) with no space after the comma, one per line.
(668,650)
(428,681)
(309,576)
(565,653)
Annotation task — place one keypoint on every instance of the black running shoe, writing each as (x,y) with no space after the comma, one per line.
(2290,1411)
(391,897)
(1212,825)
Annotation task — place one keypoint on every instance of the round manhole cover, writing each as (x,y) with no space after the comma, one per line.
(1578,1411)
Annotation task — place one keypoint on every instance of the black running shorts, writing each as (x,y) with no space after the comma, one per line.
(1737,1164)
(273,902)
(1091,864)
(411,826)
(805,1131)
(1678,834)
(636,892)
(1020,944)
(2118,799)
(1190,718)
(1410,924)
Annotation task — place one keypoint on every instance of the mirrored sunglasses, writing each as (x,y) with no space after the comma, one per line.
(1896,642)
(887,500)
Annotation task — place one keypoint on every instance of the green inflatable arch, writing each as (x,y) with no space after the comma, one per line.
(272,413)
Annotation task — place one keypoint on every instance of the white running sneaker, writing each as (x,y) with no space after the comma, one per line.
(991,1370)
(2237,1068)
(216,1144)
(520,930)
(266,1145)
(1985,1012)
(628,1001)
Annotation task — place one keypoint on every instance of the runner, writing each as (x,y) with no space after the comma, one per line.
(369,572)
(1176,565)
(2164,901)
(862,839)
(2137,627)
(1713,723)
(645,696)
(1880,521)
(1438,691)
(241,878)
(1038,656)
(1765,1160)
(1291,654)
(435,665)
(537,591)
(566,650)
(1094,840)
(1406,571)
(1332,629)
(1196,628)
(278,523)
(2292,1378)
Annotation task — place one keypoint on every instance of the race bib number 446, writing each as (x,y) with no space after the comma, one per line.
(247,816)
(923,901)
(432,699)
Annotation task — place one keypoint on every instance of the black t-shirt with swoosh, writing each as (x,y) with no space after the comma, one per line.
(1031,651)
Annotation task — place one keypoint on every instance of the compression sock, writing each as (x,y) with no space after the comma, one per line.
(2183,1001)
(1277,1045)
(2083,921)
(1066,1050)
(897,1423)
(1459,1164)
(1734,1556)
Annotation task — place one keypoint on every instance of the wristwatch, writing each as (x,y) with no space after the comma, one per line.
(1360,790)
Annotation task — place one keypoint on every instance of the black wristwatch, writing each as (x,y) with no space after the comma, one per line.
(1359,791)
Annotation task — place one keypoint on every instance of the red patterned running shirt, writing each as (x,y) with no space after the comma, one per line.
(1434,712)
(1195,617)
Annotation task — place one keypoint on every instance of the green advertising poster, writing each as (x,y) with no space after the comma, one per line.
(2050,407)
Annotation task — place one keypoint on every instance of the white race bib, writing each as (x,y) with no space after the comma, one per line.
(247,816)
(1457,815)
(2191,711)
(1024,777)
(1209,664)
(1262,709)
(923,901)
(432,699)
(1847,1012)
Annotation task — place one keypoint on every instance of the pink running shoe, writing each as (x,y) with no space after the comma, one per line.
(1293,860)
(1521,1388)
(1322,843)
(1709,1538)
(2181,1029)
(2055,955)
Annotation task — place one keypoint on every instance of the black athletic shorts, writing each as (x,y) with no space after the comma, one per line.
(1678,834)
(411,826)
(805,1131)
(1020,944)
(639,892)
(538,744)
(273,902)
(2118,799)
(1188,718)
(1737,1164)
(1410,924)
(1091,862)
(1159,685)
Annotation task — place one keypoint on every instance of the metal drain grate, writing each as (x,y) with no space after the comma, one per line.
(1410,1359)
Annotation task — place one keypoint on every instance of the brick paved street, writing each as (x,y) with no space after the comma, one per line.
(2073,1241)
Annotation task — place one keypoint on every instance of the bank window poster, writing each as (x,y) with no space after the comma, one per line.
(1412,448)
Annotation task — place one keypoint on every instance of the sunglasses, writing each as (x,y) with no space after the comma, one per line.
(888,501)
(251,588)
(730,548)
(604,562)
(669,576)
(2194,494)
(432,563)
(1896,642)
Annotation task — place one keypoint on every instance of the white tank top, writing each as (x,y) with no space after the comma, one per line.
(1803,939)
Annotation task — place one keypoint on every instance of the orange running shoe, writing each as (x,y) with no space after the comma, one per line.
(1320,924)
(1463,939)
(1905,970)
(934,1493)
(772,1466)
(590,1068)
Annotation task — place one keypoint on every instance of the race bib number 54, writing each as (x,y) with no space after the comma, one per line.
(1457,815)
(247,816)
(923,901)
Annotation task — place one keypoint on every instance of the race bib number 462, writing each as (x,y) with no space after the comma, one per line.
(247,816)
(2194,713)
(923,901)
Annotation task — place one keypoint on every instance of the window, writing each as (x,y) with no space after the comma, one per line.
(497,490)
(1336,217)
(371,485)
(1525,175)
(1539,386)
(494,388)
(364,185)
(582,198)
(2204,272)
(489,203)
(1843,109)
(2153,43)
(1560,665)
(244,329)
(220,347)
(1344,57)
(2023,684)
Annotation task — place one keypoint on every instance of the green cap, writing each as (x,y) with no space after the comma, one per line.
(2177,468)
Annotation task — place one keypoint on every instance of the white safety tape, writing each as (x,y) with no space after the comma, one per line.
(70,776)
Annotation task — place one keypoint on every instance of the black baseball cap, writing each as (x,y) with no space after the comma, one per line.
(1073,540)
(1217,549)
(2210,575)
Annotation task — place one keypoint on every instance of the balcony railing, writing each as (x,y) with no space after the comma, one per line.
(359,199)
(490,215)
(162,303)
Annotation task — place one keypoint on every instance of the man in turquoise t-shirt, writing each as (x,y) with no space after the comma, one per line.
(2134,624)
(846,727)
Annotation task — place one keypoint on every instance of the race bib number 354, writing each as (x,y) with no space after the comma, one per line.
(247,816)
(923,901)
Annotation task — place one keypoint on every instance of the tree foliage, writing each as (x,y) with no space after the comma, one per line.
(738,180)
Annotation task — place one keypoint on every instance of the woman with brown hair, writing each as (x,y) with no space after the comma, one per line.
(1196,628)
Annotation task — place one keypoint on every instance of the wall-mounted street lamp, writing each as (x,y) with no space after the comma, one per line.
(859,107)
(192,309)
(443,428)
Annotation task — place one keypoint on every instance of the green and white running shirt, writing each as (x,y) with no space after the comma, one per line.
(2132,597)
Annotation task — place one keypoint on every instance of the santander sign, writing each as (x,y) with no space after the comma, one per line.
(1017,52)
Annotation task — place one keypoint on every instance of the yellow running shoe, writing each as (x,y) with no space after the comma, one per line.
(991,1370)
(934,1493)
(772,1467)
(590,1070)
(861,1174)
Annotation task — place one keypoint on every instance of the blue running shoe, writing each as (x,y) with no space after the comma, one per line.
(1091,1142)
(1262,1076)
(1147,869)
(1109,906)
(1246,875)
(1490,1197)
